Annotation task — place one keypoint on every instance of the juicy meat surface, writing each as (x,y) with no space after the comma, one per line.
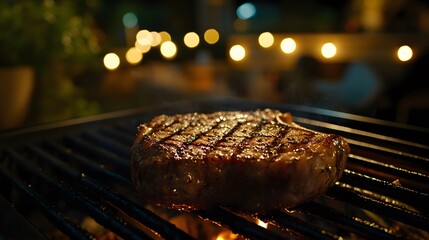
(250,161)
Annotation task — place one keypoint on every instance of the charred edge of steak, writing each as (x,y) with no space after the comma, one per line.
(250,161)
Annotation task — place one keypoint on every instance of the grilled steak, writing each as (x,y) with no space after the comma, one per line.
(250,161)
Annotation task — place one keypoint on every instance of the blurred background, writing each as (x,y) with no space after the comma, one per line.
(67,59)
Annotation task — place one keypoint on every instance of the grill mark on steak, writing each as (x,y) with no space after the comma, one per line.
(185,146)
(161,131)
(254,161)
(245,149)
(233,137)
(210,139)
(232,129)
(275,145)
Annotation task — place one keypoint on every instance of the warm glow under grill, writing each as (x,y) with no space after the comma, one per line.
(78,176)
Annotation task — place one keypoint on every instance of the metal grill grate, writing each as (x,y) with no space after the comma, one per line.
(59,176)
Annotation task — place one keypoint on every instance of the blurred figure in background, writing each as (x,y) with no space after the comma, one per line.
(411,97)
(297,88)
(357,91)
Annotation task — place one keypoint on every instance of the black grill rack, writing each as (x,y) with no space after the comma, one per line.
(54,177)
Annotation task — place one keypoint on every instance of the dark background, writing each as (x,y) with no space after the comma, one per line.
(64,42)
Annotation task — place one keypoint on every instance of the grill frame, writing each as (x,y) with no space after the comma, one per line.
(70,147)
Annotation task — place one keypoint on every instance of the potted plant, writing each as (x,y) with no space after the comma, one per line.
(47,42)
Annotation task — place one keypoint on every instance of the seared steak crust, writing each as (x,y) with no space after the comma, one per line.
(250,161)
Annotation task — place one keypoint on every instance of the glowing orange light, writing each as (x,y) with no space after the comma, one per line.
(262,223)
(133,55)
(165,36)
(227,235)
(211,36)
(144,48)
(156,38)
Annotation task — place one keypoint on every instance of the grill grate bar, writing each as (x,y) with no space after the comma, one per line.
(144,216)
(376,126)
(118,136)
(287,221)
(50,212)
(357,225)
(346,193)
(101,213)
(106,143)
(86,169)
(366,163)
(238,224)
(416,199)
(88,164)
(98,153)
(364,136)
(363,149)
(130,129)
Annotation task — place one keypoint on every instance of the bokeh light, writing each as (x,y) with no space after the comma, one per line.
(405,53)
(246,11)
(133,55)
(143,48)
(288,45)
(168,49)
(129,20)
(266,39)
(191,39)
(328,50)
(237,52)
(111,61)
(156,39)
(165,36)
(211,36)
(144,37)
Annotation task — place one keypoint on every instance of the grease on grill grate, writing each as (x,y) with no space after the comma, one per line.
(77,186)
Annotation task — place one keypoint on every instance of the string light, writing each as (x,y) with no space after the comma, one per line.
(191,39)
(168,49)
(111,61)
(133,55)
(329,50)
(237,52)
(211,36)
(266,39)
(165,36)
(404,53)
(288,45)
(145,40)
